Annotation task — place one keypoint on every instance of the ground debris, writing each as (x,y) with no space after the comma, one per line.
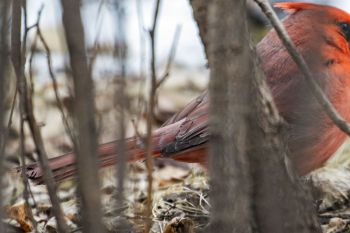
(180,201)
(331,190)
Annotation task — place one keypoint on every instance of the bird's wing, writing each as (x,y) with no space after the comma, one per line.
(191,130)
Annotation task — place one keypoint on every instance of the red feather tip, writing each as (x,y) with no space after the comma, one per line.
(295,6)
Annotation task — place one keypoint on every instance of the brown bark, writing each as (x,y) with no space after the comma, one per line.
(229,90)
(279,200)
(250,186)
(84,112)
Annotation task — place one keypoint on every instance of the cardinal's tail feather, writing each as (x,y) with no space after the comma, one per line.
(64,167)
(176,140)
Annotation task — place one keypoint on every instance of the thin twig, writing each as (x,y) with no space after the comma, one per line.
(59,103)
(150,117)
(51,73)
(171,55)
(18,62)
(137,132)
(31,93)
(23,168)
(300,61)
(33,48)
(97,35)
(141,26)
(22,121)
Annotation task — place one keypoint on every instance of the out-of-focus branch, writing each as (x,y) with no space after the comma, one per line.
(98,33)
(22,121)
(59,103)
(84,112)
(300,61)
(18,62)
(121,103)
(150,117)
(142,58)
(141,27)
(4,13)
(171,56)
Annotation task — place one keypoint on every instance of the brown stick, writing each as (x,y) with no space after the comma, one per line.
(171,56)
(121,103)
(18,63)
(59,103)
(94,54)
(22,136)
(84,112)
(150,118)
(300,61)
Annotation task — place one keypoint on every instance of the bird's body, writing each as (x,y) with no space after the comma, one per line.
(322,35)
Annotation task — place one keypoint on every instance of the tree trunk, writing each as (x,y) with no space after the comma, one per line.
(230,63)
(251,189)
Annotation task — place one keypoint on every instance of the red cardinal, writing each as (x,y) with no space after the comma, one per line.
(322,36)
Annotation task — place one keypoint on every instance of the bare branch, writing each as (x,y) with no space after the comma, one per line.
(23,168)
(121,103)
(98,33)
(33,48)
(300,61)
(84,112)
(171,55)
(22,136)
(150,118)
(142,58)
(59,103)
(18,62)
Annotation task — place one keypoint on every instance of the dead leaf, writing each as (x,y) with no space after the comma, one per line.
(20,213)
(179,225)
